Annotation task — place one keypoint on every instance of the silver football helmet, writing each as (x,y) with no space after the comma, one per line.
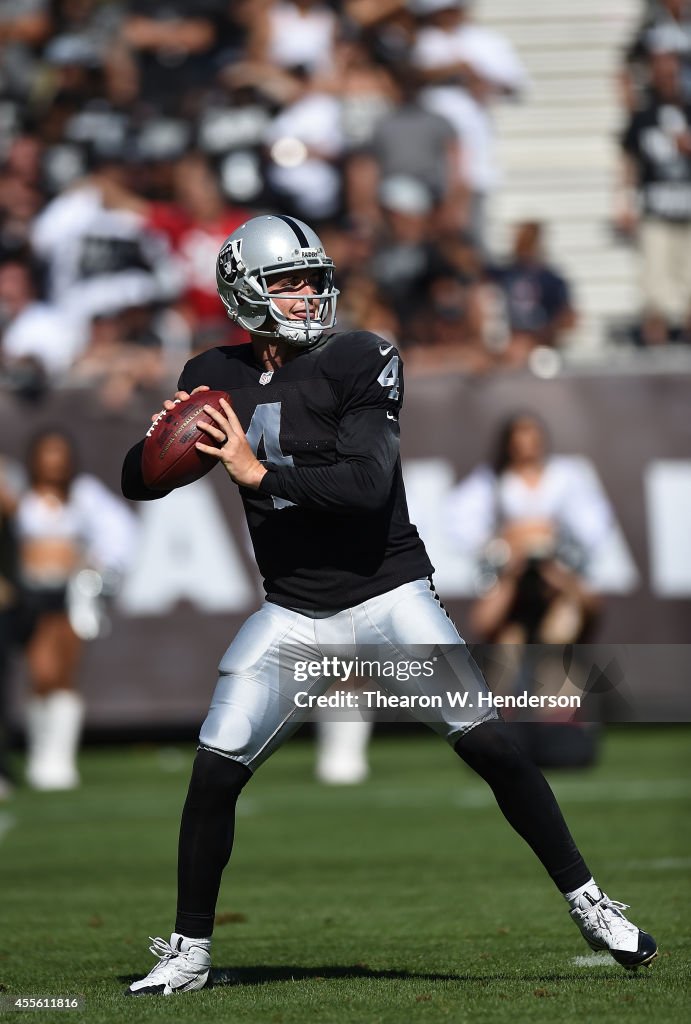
(268,247)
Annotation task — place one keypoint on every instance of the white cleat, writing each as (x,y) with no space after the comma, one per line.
(183,966)
(604,926)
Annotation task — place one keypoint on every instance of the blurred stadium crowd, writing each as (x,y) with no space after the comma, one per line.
(136,136)
(654,207)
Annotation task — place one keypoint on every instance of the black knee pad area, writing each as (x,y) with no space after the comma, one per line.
(215,776)
(490,747)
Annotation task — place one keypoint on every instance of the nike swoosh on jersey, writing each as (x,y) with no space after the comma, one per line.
(385,349)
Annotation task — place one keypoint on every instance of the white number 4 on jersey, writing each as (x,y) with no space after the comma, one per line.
(388,378)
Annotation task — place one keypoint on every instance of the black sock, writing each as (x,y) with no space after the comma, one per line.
(206,839)
(525,799)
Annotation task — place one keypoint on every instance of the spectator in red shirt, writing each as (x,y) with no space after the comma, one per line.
(196,223)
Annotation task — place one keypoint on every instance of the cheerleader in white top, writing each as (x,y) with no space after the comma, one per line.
(536,521)
(73,534)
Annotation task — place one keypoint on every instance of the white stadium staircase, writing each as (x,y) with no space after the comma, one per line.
(558,150)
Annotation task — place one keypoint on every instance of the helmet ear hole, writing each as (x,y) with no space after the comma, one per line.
(252,317)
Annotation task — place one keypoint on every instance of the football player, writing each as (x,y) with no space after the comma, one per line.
(312,442)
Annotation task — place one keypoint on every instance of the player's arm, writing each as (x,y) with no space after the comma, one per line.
(132,481)
(359,482)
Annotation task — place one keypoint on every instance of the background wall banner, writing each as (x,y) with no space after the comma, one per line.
(193,580)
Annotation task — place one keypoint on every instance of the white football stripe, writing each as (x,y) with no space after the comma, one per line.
(593,960)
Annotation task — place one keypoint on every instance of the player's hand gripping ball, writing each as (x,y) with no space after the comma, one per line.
(170,458)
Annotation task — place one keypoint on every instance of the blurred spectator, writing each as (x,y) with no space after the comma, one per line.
(409,142)
(236,28)
(450,46)
(20,191)
(8,604)
(23,158)
(534,520)
(365,88)
(91,22)
(305,144)
(294,34)
(447,326)
(36,336)
(363,306)
(433,282)
(75,538)
(75,58)
(125,353)
(404,249)
(655,202)
(665,28)
(388,27)
(231,132)
(195,224)
(101,261)
(536,297)
(466,67)
(24,27)
(173,44)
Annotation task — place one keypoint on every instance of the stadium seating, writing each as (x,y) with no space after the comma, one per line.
(559,151)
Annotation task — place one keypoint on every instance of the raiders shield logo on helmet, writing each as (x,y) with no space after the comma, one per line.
(230,261)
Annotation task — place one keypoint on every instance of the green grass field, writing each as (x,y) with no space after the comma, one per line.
(406,899)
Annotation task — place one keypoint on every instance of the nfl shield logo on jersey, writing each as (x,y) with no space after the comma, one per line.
(266,377)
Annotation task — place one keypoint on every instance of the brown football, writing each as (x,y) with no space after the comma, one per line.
(169,457)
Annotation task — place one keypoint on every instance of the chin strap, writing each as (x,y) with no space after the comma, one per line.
(298,336)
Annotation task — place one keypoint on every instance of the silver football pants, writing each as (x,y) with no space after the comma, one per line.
(257,702)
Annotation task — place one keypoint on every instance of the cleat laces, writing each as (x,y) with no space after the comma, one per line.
(608,914)
(163,950)
(604,925)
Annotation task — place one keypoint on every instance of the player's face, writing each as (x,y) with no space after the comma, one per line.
(288,293)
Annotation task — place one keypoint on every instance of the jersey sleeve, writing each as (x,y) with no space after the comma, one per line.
(368,389)
(367,370)
(195,372)
(188,379)
(132,481)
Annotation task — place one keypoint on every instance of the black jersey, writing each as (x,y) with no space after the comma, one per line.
(663,170)
(329,523)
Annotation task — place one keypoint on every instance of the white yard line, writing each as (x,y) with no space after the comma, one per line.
(585,792)
(594,960)
(660,864)
(471,796)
